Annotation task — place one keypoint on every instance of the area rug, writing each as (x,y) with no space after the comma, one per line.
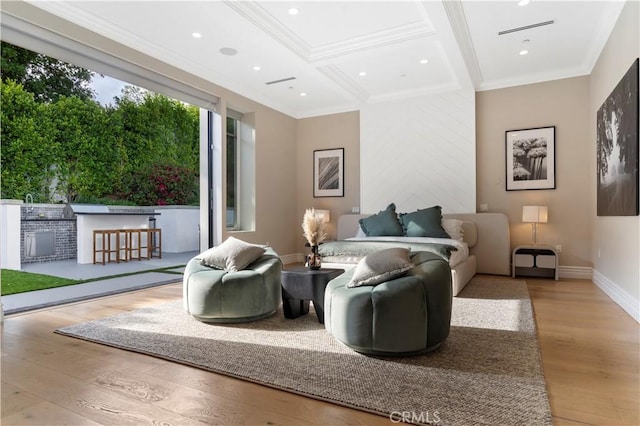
(488,371)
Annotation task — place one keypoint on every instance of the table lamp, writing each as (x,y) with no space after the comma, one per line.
(534,215)
(326,215)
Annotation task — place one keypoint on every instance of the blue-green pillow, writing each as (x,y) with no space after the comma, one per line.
(384,223)
(424,223)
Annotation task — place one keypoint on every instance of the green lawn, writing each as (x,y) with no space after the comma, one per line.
(13,282)
(18,282)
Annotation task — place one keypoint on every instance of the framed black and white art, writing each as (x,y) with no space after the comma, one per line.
(328,173)
(617,142)
(531,158)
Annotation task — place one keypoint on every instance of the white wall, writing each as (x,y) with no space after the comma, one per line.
(616,240)
(10,234)
(419,152)
(180,228)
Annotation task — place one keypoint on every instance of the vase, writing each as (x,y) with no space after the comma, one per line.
(314,261)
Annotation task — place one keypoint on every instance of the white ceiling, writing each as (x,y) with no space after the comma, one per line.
(329,43)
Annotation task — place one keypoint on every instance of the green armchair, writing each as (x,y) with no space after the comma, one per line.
(217,296)
(403,316)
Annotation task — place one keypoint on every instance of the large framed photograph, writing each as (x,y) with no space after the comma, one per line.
(328,173)
(531,158)
(617,148)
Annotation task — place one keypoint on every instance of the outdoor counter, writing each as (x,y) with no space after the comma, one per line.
(118,214)
(88,222)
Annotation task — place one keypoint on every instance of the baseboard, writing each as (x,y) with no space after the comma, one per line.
(575,272)
(292,258)
(618,295)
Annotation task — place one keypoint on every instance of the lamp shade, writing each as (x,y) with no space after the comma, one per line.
(326,215)
(535,214)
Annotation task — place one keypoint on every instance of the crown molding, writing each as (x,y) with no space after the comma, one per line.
(336,109)
(93,23)
(345,82)
(602,33)
(533,79)
(70,13)
(73,14)
(253,12)
(412,31)
(37,38)
(460,28)
(413,93)
(262,19)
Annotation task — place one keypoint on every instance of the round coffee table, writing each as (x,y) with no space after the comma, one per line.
(301,285)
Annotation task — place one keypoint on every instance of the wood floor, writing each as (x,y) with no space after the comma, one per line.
(590,350)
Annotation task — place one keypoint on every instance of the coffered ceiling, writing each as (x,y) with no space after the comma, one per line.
(334,56)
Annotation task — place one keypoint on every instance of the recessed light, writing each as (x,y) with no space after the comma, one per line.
(523,52)
(196,35)
(228,51)
(523,2)
(256,68)
(362,73)
(293,11)
(424,61)
(303,94)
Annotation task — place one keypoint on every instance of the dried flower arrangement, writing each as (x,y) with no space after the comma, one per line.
(313,227)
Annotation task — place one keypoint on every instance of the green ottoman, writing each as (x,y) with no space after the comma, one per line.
(218,296)
(403,316)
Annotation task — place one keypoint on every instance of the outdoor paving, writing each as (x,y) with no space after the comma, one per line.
(22,302)
(73,270)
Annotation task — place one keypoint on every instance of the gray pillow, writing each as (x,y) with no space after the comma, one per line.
(424,223)
(382,223)
(381,266)
(232,255)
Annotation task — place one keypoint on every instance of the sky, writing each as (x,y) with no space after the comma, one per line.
(106,88)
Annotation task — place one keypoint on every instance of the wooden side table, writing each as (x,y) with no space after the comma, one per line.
(535,261)
(301,285)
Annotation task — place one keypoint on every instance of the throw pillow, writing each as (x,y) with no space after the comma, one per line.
(424,223)
(232,255)
(453,227)
(382,223)
(381,266)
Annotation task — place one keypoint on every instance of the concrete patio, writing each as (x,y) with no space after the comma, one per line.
(22,302)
